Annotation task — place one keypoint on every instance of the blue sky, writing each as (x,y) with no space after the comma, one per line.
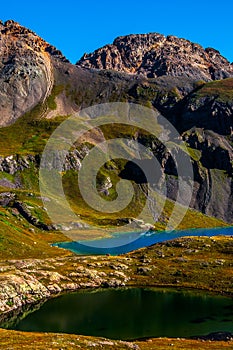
(76,27)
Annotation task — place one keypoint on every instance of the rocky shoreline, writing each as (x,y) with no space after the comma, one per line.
(28,282)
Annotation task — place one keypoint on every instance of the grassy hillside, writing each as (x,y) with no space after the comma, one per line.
(52,341)
(20,240)
(221,90)
(29,134)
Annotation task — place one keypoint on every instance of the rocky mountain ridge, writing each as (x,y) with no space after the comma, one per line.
(154,55)
(30,68)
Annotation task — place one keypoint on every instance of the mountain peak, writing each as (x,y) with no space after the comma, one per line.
(26,70)
(11,30)
(153,55)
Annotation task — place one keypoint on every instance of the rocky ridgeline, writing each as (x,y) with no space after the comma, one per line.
(154,55)
(30,67)
(15,31)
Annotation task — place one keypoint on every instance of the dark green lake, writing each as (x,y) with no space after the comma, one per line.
(133,313)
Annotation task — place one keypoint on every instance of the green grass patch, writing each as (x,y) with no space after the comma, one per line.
(222,90)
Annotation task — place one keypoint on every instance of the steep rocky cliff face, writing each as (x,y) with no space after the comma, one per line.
(210,107)
(154,55)
(212,172)
(26,70)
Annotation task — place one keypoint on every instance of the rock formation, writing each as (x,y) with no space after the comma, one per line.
(154,55)
(26,70)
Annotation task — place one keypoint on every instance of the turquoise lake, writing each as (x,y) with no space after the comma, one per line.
(121,243)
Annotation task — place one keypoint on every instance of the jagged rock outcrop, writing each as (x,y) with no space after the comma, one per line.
(6,198)
(60,160)
(26,70)
(13,163)
(210,107)
(154,55)
(26,213)
(215,151)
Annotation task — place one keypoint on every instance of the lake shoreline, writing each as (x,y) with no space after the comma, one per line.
(30,307)
(188,314)
(125,242)
(31,280)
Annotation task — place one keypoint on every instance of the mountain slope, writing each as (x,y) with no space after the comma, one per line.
(41,88)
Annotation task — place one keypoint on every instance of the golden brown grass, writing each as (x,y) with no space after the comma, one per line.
(40,341)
